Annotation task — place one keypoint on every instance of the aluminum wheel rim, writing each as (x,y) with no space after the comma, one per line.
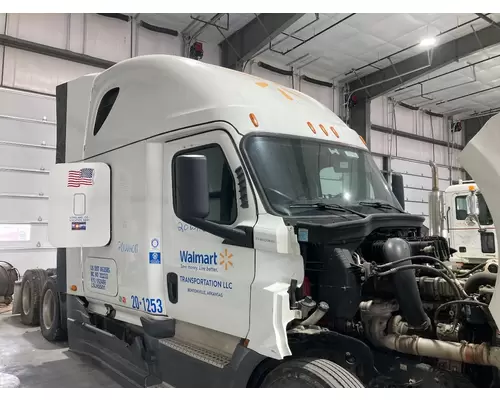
(26,300)
(48,306)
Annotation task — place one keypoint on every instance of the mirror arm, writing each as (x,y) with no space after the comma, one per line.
(239,236)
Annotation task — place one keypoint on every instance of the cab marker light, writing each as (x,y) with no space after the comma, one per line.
(73,288)
(323,129)
(334,131)
(362,139)
(253,118)
(311,127)
(472,188)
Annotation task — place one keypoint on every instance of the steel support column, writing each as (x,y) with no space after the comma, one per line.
(244,43)
(359,119)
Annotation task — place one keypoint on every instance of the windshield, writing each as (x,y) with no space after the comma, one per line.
(296,171)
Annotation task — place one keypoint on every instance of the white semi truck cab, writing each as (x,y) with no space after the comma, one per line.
(474,239)
(217,229)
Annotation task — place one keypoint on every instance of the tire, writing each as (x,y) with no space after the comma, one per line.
(50,312)
(310,373)
(31,290)
(51,271)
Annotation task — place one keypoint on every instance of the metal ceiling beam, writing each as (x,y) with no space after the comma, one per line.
(242,45)
(382,82)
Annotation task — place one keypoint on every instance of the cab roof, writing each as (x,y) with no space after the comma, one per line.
(161,93)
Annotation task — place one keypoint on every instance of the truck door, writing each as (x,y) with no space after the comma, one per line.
(208,282)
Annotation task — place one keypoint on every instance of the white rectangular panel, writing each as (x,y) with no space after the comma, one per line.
(80,205)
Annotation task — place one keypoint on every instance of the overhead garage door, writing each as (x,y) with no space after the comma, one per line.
(27,148)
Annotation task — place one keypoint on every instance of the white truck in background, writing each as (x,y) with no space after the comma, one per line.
(219,230)
(462,215)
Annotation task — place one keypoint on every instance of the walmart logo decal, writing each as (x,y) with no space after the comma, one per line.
(193,257)
(197,261)
(226,259)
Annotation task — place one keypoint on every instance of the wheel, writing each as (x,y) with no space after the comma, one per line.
(31,289)
(310,373)
(51,271)
(50,312)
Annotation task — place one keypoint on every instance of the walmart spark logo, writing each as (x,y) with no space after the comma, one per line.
(225,259)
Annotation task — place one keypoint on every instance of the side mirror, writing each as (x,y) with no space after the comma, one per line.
(191,187)
(472,205)
(398,188)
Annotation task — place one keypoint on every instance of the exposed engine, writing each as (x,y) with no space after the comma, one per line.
(398,292)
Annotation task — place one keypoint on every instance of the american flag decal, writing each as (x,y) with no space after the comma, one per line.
(82,177)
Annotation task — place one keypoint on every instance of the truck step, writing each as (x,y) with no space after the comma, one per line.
(208,356)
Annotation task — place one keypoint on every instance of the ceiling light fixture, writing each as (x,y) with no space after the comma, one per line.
(428,42)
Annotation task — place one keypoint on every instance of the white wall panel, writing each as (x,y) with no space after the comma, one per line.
(414,149)
(49,29)
(381,142)
(23,209)
(321,93)
(405,119)
(379,111)
(15,130)
(149,42)
(76,32)
(24,182)
(14,103)
(107,38)
(211,53)
(378,162)
(27,157)
(30,71)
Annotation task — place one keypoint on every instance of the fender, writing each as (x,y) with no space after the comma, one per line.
(349,352)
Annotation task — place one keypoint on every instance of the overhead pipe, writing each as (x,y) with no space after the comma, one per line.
(316,35)
(275,69)
(120,17)
(467,95)
(317,81)
(292,35)
(158,29)
(489,20)
(407,48)
(446,73)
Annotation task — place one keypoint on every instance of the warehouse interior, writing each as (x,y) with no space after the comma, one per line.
(412,103)
(416,87)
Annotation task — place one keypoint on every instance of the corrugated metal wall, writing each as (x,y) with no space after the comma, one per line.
(410,156)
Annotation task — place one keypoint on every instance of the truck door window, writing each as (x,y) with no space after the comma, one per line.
(484,212)
(461,208)
(221,184)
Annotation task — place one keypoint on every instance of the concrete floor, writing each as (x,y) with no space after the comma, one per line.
(38,363)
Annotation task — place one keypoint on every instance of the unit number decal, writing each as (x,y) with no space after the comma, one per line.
(153,306)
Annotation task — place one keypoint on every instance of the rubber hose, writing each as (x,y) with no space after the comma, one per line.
(480,279)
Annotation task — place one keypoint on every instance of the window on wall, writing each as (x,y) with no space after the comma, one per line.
(484,212)
(221,185)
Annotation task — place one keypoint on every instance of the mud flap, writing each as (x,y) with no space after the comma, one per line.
(480,159)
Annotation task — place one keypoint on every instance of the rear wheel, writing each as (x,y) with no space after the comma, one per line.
(310,373)
(50,312)
(31,289)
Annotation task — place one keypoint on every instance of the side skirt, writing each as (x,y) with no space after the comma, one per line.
(152,362)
